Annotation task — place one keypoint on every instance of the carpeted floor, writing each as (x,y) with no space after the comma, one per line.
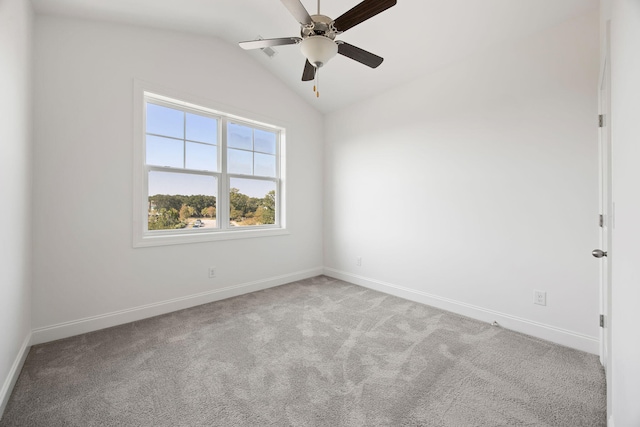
(319,352)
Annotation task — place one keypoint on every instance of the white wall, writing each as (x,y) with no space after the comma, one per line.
(15,189)
(625,251)
(471,187)
(84,263)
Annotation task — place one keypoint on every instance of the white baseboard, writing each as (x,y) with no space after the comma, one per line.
(94,323)
(536,329)
(529,327)
(14,373)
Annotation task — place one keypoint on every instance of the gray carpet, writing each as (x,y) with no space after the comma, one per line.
(319,352)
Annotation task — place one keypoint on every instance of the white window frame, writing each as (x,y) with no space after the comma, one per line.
(142,237)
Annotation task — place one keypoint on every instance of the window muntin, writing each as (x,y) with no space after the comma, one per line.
(179,139)
(251,151)
(198,175)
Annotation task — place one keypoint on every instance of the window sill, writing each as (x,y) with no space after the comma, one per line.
(179,239)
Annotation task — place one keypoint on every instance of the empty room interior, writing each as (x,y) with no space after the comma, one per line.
(437,225)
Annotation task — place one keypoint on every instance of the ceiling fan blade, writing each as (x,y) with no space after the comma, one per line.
(261,44)
(309,72)
(298,11)
(363,11)
(360,55)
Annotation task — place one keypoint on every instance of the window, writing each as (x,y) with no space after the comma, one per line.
(205,175)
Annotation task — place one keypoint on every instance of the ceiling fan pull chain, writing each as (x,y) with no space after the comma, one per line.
(316,86)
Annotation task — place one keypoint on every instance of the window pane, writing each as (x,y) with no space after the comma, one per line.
(265,165)
(239,136)
(181,201)
(202,129)
(202,156)
(165,121)
(265,142)
(239,161)
(252,202)
(164,152)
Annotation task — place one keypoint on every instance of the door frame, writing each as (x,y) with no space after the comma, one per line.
(607,211)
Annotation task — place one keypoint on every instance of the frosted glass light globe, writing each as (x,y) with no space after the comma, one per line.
(318,50)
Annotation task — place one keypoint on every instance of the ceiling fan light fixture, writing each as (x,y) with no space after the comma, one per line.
(317,36)
(318,50)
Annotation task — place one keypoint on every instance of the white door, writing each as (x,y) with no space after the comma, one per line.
(606,221)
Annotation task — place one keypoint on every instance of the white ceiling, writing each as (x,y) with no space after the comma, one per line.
(414,37)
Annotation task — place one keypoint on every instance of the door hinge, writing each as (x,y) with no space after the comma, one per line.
(601,120)
(602,320)
(601,221)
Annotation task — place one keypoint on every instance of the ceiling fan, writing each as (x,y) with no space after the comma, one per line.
(318,32)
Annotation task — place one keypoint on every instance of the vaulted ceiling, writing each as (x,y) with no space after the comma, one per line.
(415,37)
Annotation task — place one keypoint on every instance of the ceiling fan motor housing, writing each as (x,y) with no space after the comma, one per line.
(322,26)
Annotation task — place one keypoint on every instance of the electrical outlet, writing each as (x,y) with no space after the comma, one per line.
(539,297)
(359,261)
(212,272)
